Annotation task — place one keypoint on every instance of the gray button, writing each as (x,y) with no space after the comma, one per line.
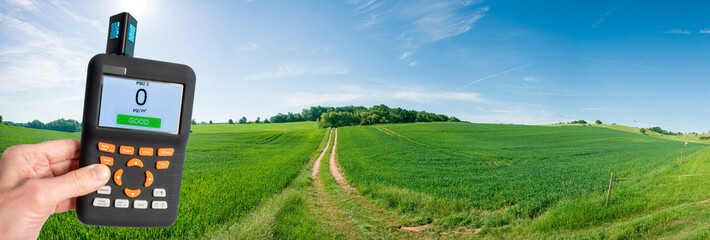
(159,205)
(140,204)
(121,203)
(104,190)
(159,192)
(102,202)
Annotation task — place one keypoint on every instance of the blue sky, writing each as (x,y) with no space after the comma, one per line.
(526,62)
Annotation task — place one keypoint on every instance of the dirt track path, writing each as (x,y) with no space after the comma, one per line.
(316,164)
(335,168)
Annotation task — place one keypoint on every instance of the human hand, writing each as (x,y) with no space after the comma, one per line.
(37,180)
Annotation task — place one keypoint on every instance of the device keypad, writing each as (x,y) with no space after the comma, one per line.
(162,164)
(145,151)
(109,156)
(108,161)
(126,150)
(107,147)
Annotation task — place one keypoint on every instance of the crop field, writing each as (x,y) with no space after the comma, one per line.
(495,177)
(226,175)
(457,180)
(253,127)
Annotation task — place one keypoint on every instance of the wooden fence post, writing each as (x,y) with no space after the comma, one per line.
(609,191)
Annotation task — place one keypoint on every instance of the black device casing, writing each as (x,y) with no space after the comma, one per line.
(91,134)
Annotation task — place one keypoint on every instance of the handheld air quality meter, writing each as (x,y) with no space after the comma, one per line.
(136,121)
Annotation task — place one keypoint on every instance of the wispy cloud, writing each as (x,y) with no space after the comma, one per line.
(677,31)
(515,113)
(286,70)
(705,31)
(43,60)
(413,24)
(600,20)
(530,79)
(406,54)
(496,75)
(24,4)
(250,46)
(350,94)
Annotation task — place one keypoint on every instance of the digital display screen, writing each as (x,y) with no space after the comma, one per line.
(140,104)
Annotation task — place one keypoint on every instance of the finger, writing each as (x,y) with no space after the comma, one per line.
(66,205)
(76,183)
(58,151)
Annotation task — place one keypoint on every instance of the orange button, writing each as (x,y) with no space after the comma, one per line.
(108,161)
(126,150)
(117,177)
(144,151)
(107,147)
(162,164)
(134,162)
(132,192)
(165,152)
(148,178)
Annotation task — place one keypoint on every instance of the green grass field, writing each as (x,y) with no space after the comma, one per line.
(226,175)
(252,181)
(517,181)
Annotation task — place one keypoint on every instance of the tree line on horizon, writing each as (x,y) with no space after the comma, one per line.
(64,125)
(359,115)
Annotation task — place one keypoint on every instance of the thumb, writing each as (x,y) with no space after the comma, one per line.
(78,182)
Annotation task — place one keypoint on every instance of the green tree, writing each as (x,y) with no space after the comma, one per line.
(64,125)
(643,130)
(231,121)
(194,122)
(598,122)
(243,120)
(258,119)
(0,118)
(210,121)
(454,119)
(35,124)
(266,120)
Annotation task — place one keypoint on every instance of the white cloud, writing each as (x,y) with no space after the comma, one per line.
(24,4)
(514,113)
(496,74)
(348,94)
(600,20)
(43,60)
(530,79)
(406,54)
(286,70)
(677,31)
(40,57)
(250,46)
(705,31)
(416,23)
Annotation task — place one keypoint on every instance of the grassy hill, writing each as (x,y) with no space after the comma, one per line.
(505,181)
(516,181)
(228,172)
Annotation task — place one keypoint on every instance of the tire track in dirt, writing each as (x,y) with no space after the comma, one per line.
(316,164)
(439,149)
(374,210)
(335,167)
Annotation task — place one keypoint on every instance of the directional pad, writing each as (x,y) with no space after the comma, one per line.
(135,162)
(132,192)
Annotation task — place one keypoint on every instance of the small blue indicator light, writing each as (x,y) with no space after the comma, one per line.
(114,30)
(131,33)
